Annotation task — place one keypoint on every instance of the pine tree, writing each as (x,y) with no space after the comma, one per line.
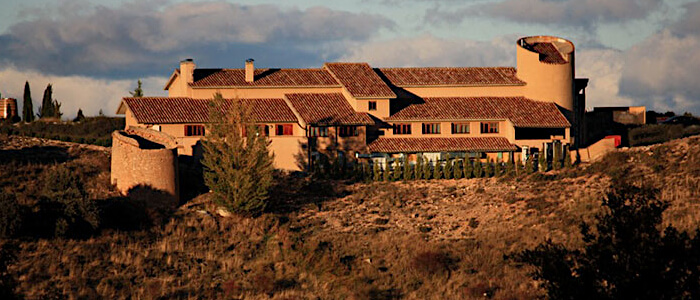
(28,109)
(377,172)
(387,171)
(458,169)
(47,106)
(447,171)
(237,168)
(138,92)
(542,162)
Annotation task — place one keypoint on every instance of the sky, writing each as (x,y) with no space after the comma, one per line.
(635,52)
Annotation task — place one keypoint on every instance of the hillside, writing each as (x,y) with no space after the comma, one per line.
(443,239)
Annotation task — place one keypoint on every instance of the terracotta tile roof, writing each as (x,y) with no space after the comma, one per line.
(327,109)
(521,111)
(164,110)
(451,76)
(438,144)
(360,80)
(548,53)
(263,78)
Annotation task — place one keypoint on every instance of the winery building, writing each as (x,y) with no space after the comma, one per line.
(357,111)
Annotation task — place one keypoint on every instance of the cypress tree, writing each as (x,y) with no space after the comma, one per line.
(498,168)
(418,170)
(468,168)
(518,167)
(377,176)
(387,171)
(530,165)
(478,169)
(427,169)
(510,167)
(488,170)
(567,158)
(28,109)
(458,169)
(47,105)
(398,171)
(80,116)
(437,170)
(542,162)
(447,171)
(366,171)
(407,169)
(556,159)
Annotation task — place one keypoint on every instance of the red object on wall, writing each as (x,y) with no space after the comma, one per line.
(618,139)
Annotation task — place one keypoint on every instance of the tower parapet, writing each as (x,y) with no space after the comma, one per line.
(546,64)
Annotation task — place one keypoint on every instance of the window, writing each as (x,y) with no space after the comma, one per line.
(194,130)
(460,128)
(284,129)
(431,128)
(402,128)
(489,127)
(318,131)
(372,105)
(346,131)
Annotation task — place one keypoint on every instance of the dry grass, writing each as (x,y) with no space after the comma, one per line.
(415,240)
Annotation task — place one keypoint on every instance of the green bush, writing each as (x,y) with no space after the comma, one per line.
(458,169)
(654,134)
(64,201)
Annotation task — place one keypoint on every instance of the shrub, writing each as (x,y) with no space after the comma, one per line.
(567,158)
(541,162)
(530,165)
(625,257)
(458,169)
(65,202)
(447,170)
(427,169)
(10,215)
(398,170)
(433,262)
(556,156)
(478,169)
(468,169)
(377,172)
(488,170)
(437,170)
(654,133)
(407,169)
(510,167)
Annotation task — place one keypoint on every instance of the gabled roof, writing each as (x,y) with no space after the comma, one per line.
(204,78)
(440,144)
(360,80)
(164,110)
(171,79)
(522,112)
(462,76)
(327,109)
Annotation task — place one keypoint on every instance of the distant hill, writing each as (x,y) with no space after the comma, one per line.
(91,130)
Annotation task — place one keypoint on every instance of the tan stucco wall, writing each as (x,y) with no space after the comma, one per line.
(545,81)
(132,166)
(504,128)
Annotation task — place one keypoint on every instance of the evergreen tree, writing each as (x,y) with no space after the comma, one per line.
(47,106)
(398,170)
(518,167)
(366,171)
(138,92)
(488,169)
(556,157)
(387,171)
(458,169)
(80,116)
(567,158)
(427,170)
(468,168)
(57,109)
(530,165)
(237,168)
(377,176)
(542,162)
(407,169)
(498,168)
(28,109)
(478,169)
(437,170)
(418,170)
(447,171)
(510,167)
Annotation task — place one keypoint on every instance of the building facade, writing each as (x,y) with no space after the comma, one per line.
(355,110)
(8,108)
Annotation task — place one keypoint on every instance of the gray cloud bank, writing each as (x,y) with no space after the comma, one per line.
(138,40)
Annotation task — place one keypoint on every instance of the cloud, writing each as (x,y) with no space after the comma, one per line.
(583,13)
(74,92)
(428,50)
(603,67)
(137,39)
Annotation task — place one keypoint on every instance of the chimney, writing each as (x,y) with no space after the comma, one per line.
(249,70)
(187,67)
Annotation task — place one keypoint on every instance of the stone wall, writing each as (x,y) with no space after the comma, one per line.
(144,162)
